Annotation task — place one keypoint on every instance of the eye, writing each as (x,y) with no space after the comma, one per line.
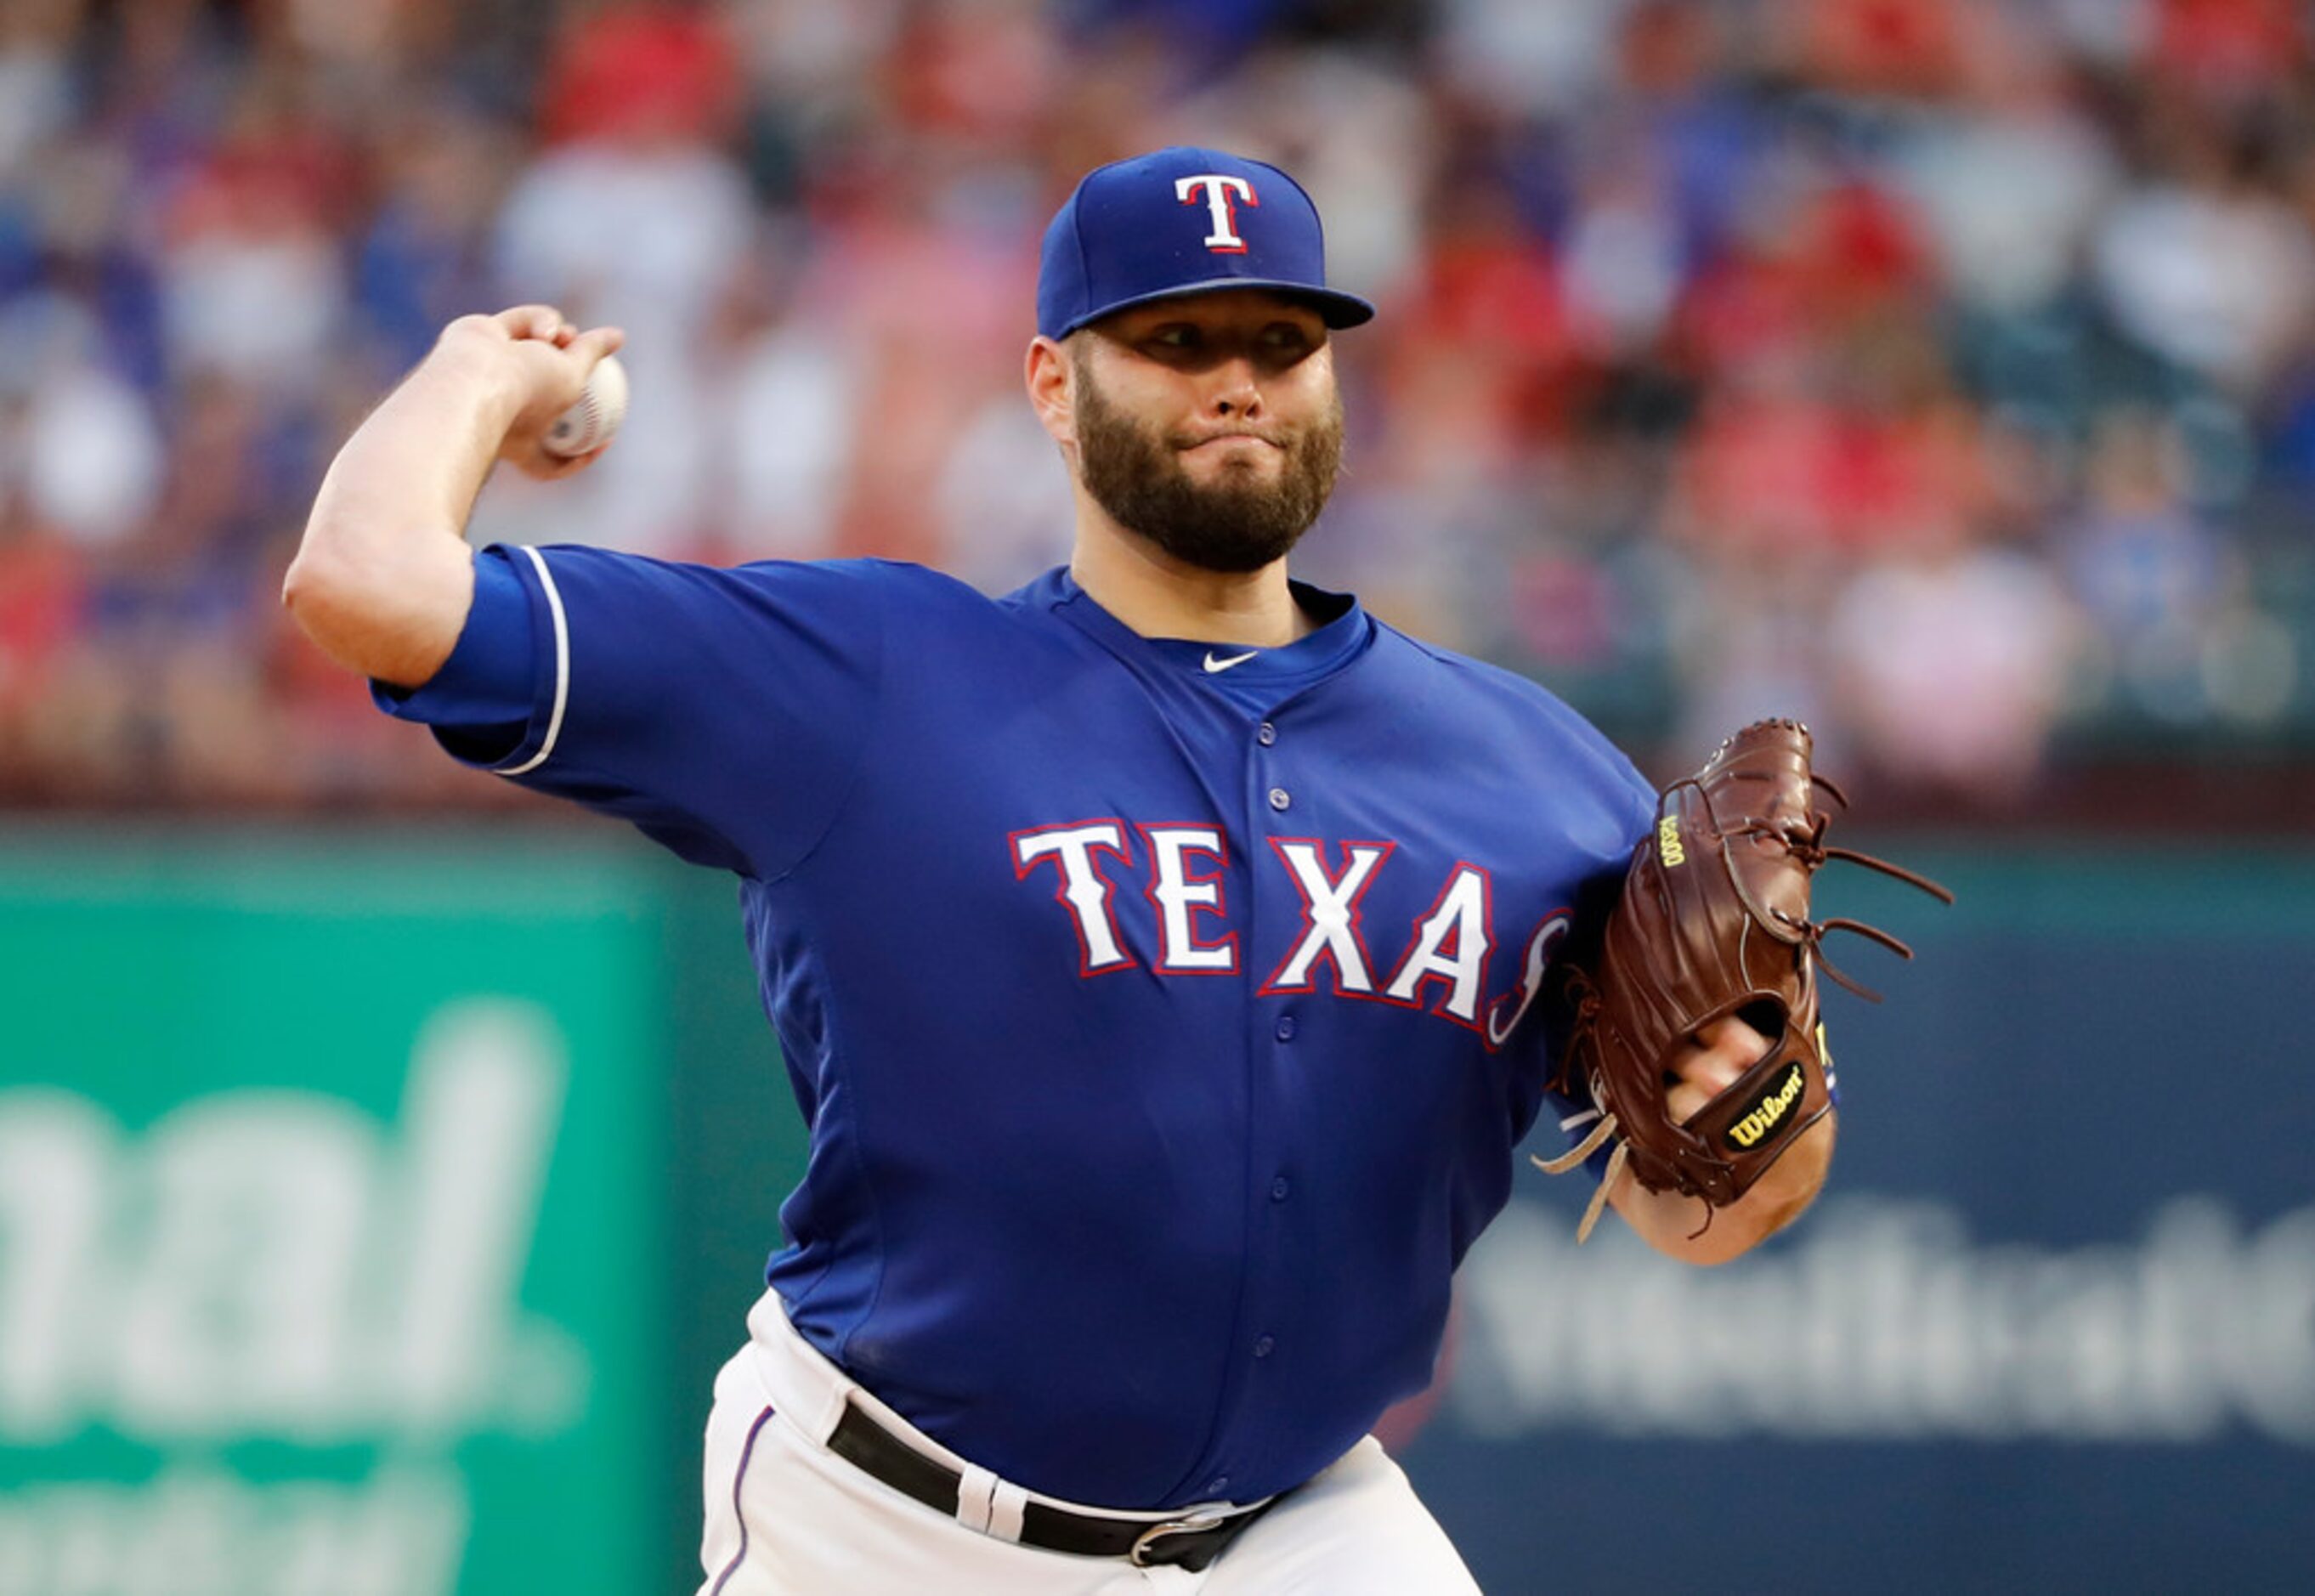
(1286,337)
(1176,335)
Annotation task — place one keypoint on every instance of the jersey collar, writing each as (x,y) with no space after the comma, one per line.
(1234,669)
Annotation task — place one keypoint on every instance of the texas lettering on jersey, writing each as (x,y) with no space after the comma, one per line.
(1443,969)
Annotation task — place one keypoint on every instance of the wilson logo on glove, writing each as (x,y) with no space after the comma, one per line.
(1762,1116)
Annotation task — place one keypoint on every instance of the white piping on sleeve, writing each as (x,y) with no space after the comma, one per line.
(562,669)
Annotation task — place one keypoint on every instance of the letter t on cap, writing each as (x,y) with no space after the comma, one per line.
(1218,187)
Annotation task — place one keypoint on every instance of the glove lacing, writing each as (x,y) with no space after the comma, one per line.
(1574,1158)
(1807,845)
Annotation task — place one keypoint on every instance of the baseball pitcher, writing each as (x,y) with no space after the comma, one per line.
(1164,955)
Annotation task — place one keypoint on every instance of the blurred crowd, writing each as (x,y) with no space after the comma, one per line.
(1942,372)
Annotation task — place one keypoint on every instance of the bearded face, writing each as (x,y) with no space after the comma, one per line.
(1242,517)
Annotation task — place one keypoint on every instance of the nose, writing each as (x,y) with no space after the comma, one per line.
(1235,392)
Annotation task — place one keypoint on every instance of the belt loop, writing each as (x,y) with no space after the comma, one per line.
(976,1494)
(1005,1511)
(830,1411)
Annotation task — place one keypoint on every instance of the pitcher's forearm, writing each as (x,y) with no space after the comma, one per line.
(383,578)
(419,460)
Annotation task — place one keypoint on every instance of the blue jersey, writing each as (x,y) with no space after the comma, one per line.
(1161,1011)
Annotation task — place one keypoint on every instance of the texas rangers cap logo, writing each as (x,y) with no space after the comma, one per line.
(1218,189)
(1183,220)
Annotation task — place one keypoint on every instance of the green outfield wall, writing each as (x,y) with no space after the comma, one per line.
(336,1218)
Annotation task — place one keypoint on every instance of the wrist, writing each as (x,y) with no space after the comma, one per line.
(485,378)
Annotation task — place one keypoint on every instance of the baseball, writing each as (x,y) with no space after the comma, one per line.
(593,421)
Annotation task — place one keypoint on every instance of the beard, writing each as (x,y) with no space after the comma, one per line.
(1239,522)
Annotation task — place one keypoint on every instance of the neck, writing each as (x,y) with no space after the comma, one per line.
(1158,596)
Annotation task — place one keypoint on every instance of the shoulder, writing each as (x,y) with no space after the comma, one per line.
(858,607)
(902,585)
(1475,699)
(780,584)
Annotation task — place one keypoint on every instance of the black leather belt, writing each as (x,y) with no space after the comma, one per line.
(1192,1541)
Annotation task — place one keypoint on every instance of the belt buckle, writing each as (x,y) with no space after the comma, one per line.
(1145,1545)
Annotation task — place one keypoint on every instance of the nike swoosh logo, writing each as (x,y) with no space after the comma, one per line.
(1216,667)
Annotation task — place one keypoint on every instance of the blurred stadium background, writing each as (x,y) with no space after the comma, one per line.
(386,1157)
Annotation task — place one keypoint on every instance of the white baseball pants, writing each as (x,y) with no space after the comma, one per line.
(787,1517)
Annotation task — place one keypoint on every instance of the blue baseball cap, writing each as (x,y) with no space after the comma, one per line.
(1184,221)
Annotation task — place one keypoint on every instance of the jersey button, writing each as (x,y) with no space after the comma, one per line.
(1278,1189)
(1217,1485)
(1279,798)
(1265,734)
(1286,1028)
(1262,1346)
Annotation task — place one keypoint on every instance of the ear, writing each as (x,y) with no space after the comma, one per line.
(1052,389)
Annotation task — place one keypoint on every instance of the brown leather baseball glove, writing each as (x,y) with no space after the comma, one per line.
(1714,920)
